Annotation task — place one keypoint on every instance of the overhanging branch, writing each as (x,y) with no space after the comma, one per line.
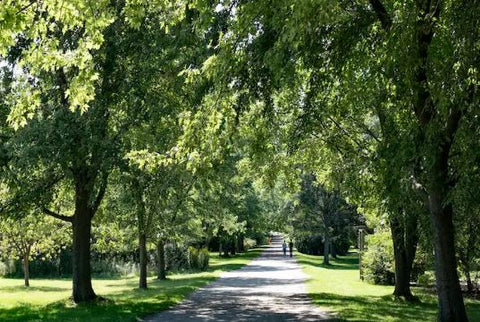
(56,215)
(382,14)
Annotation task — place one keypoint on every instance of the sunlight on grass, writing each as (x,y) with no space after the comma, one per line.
(338,288)
(49,299)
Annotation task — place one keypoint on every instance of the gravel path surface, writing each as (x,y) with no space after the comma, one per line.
(270,288)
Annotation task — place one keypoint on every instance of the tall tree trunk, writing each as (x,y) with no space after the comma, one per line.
(161,274)
(404,248)
(326,250)
(142,245)
(452,307)
(82,277)
(450,297)
(26,268)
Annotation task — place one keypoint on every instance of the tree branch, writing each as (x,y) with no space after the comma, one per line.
(26,7)
(58,216)
(100,195)
(382,14)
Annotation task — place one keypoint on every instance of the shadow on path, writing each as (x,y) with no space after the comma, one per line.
(270,288)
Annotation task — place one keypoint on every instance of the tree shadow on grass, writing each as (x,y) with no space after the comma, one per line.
(371,308)
(349,262)
(128,304)
(16,288)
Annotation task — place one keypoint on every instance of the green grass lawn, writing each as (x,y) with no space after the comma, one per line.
(49,299)
(337,288)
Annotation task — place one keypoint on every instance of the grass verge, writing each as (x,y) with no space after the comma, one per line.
(337,288)
(49,299)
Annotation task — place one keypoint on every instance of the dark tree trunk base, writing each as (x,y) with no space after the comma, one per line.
(161,274)
(142,244)
(82,223)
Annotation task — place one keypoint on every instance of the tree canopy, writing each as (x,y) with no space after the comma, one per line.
(221,119)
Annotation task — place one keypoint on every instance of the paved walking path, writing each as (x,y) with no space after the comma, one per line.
(270,288)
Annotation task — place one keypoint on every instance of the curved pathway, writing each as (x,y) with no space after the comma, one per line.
(270,288)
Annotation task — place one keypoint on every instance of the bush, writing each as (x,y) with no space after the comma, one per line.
(176,258)
(423,261)
(342,246)
(112,267)
(426,279)
(192,257)
(249,243)
(198,259)
(377,260)
(203,259)
(311,245)
(259,237)
(8,268)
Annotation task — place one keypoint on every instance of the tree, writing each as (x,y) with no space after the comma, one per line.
(310,49)
(29,236)
(323,211)
(76,149)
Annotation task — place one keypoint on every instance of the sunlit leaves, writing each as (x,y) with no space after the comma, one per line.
(32,236)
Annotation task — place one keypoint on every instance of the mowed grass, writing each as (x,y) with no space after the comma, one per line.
(49,299)
(337,288)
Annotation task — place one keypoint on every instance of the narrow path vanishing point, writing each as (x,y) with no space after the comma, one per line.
(270,288)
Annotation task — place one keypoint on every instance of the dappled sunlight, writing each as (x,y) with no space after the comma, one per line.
(271,288)
(49,299)
(337,288)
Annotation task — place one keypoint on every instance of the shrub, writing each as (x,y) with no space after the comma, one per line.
(423,260)
(259,237)
(192,257)
(249,243)
(203,258)
(176,258)
(377,260)
(198,259)
(426,279)
(311,245)
(342,246)
(103,267)
(3,269)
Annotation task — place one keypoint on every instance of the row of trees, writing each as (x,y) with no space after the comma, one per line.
(93,110)
(377,98)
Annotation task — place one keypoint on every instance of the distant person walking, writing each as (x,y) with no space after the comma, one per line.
(284,247)
(290,247)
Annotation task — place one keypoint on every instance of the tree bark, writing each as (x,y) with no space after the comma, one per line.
(326,250)
(161,274)
(142,245)
(82,276)
(452,307)
(405,239)
(26,267)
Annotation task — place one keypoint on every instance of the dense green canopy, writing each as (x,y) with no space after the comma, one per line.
(202,121)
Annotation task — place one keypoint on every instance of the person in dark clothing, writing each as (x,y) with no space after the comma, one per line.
(284,247)
(290,248)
